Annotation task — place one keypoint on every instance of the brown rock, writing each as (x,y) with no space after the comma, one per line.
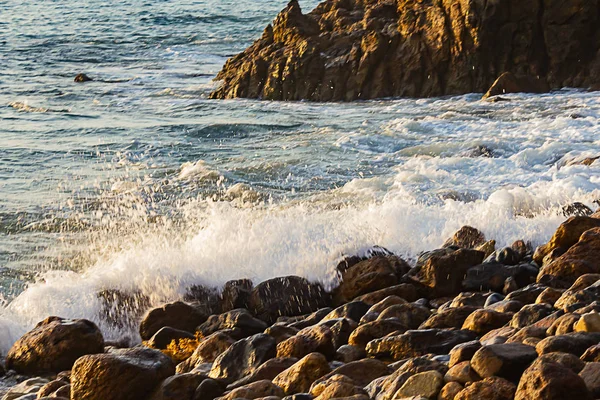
(182,386)
(498,336)
(509,83)
(450,318)
(592,354)
(378,307)
(349,353)
(563,324)
(589,322)
(549,296)
(269,370)
(507,360)
(176,315)
(281,332)
(465,299)
(207,351)
(565,359)
(461,373)
(300,376)
(484,320)
(574,343)
(567,234)
(335,386)
(528,294)
(591,376)
(410,315)
(161,339)
(54,345)
(530,314)
(239,321)
(427,384)
(374,330)
(466,237)
(492,388)
(583,291)
(236,294)
(51,387)
(404,290)
(546,380)
(450,390)
(123,374)
(318,338)
(463,352)
(254,390)
(361,372)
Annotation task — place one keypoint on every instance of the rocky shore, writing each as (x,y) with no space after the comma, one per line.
(466,321)
(363,49)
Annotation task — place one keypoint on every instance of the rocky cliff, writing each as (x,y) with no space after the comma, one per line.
(362,49)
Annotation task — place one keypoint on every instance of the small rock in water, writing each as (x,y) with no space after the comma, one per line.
(80,78)
(576,209)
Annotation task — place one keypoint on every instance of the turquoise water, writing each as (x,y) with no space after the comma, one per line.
(143,184)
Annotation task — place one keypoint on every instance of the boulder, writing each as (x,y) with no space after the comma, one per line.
(385,388)
(269,370)
(563,324)
(565,359)
(449,318)
(462,373)
(341,331)
(209,389)
(177,387)
(281,332)
(354,310)
(591,376)
(404,290)
(472,299)
(207,351)
(530,314)
(547,380)
(255,390)
(54,345)
(484,320)
(492,388)
(549,296)
(176,315)
(463,352)
(592,354)
(289,296)
(443,276)
(239,321)
(380,306)
(511,83)
(349,353)
(311,319)
(466,237)
(567,234)
(300,376)
(589,322)
(584,291)
(361,372)
(243,357)
(121,374)
(161,339)
(29,387)
(574,343)
(493,275)
(236,294)
(507,360)
(527,294)
(375,330)
(450,390)
(334,387)
(411,315)
(580,259)
(427,384)
(318,338)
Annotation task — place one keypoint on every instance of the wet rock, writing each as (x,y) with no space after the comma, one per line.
(574,343)
(484,320)
(507,360)
(119,374)
(417,343)
(450,318)
(578,209)
(511,83)
(461,373)
(311,319)
(427,384)
(410,315)
(354,310)
(374,330)
(54,345)
(236,294)
(528,294)
(591,376)
(487,248)
(176,315)
(589,322)
(243,358)
(466,237)
(290,295)
(81,78)
(404,290)
(546,380)
(442,276)
(380,306)
(207,351)
(269,370)
(492,276)
(300,376)
(209,389)
(239,320)
(176,387)
(281,332)
(317,338)
(370,275)
(254,390)
(498,336)
(567,234)
(583,291)
(463,352)
(530,314)
(386,387)
(565,359)
(122,309)
(341,331)
(161,339)
(492,388)
(493,299)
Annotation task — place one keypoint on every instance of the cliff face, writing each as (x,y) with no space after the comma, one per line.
(362,49)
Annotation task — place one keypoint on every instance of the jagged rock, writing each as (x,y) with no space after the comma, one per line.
(427,384)
(300,376)
(579,209)
(80,78)
(567,234)
(254,390)
(176,387)
(54,345)
(507,360)
(464,299)
(240,322)
(318,338)
(207,300)
(546,380)
(269,370)
(509,83)
(505,306)
(122,374)
(583,291)
(442,276)
(370,275)
(574,343)
(311,319)
(375,330)
(461,373)
(563,324)
(51,387)
(527,294)
(450,318)
(161,339)
(498,336)
(466,237)
(243,358)
(492,388)
(28,387)
(484,320)
(176,315)
(341,330)
(289,296)
(591,376)
(207,351)
(417,343)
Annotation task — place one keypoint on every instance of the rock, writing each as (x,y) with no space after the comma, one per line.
(311,319)
(317,338)
(161,339)
(54,345)
(546,380)
(243,358)
(349,353)
(487,248)
(176,387)
(206,300)
(506,306)
(427,384)
(492,388)
(417,343)
(493,299)
(510,83)
(334,387)
(122,309)
(563,324)
(374,330)
(341,331)
(207,351)
(119,374)
(592,354)
(450,318)
(28,387)
(410,315)
(269,370)
(492,276)
(281,332)
(361,372)
(354,310)
(461,373)
(530,314)
(484,320)
(565,359)
(507,360)
(443,276)
(289,296)
(236,294)
(209,389)
(498,336)
(49,388)
(589,322)
(526,295)
(176,315)
(404,290)
(591,376)
(583,291)
(450,390)
(299,377)
(370,275)
(254,390)
(80,78)
(574,343)
(239,320)
(579,209)
(567,234)
(463,352)
(469,299)
(386,387)
(549,296)
(466,237)
(380,306)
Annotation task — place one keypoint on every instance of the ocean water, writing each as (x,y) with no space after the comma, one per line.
(142,184)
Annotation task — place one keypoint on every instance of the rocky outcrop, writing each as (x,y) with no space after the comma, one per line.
(362,49)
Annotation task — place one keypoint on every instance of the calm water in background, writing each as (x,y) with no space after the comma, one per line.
(146,185)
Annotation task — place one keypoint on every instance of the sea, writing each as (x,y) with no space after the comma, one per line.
(136,183)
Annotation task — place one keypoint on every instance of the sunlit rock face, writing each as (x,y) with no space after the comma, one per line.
(362,49)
